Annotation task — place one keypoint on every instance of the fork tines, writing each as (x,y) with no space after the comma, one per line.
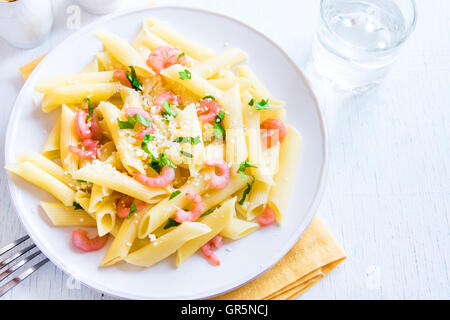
(10,264)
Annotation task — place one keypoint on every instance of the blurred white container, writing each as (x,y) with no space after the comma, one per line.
(99,6)
(25,23)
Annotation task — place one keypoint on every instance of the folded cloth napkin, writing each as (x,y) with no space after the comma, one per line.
(311,258)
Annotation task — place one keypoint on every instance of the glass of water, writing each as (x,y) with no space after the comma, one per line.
(358,40)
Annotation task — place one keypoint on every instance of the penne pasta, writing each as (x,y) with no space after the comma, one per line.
(51,146)
(237,229)
(46,86)
(224,60)
(62,216)
(68,137)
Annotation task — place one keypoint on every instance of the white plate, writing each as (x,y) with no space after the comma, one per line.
(248,258)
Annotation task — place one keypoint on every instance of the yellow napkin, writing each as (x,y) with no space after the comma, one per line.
(311,258)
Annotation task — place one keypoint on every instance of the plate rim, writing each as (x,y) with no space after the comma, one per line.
(311,212)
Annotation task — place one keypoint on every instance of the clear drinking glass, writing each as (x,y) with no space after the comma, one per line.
(358,40)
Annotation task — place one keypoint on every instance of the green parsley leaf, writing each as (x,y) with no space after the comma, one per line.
(186,154)
(251,102)
(171,223)
(133,209)
(191,140)
(145,141)
(209,97)
(133,79)
(181,55)
(80,181)
(161,162)
(174,194)
(142,120)
(263,105)
(129,124)
(218,129)
(244,165)
(168,112)
(246,191)
(186,74)
(77,206)
(204,214)
(90,108)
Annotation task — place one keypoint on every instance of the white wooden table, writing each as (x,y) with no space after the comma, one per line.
(388,195)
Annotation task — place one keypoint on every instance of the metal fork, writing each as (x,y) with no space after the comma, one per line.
(14,265)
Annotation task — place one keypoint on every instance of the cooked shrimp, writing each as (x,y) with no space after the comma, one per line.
(273,132)
(196,211)
(267,217)
(207,110)
(81,126)
(219,181)
(217,241)
(89,150)
(96,130)
(164,57)
(163,180)
(81,241)
(123,205)
(148,130)
(168,96)
(121,75)
(131,111)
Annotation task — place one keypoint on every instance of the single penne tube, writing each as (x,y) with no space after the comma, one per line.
(62,216)
(107,62)
(158,215)
(82,198)
(106,175)
(51,146)
(43,180)
(213,198)
(48,166)
(68,137)
(216,221)
(274,112)
(196,84)
(126,150)
(106,217)
(224,60)
(260,91)
(98,196)
(256,199)
(123,52)
(46,86)
(228,83)
(75,94)
(139,45)
(238,229)
(214,151)
(130,97)
(123,240)
(236,146)
(151,40)
(284,179)
(168,244)
(175,39)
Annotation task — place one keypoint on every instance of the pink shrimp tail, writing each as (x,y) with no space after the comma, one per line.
(273,132)
(207,110)
(219,181)
(163,57)
(96,130)
(217,241)
(168,96)
(163,180)
(141,135)
(192,215)
(121,75)
(123,205)
(131,111)
(81,241)
(267,217)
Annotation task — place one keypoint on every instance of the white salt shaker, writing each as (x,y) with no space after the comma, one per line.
(99,6)
(25,23)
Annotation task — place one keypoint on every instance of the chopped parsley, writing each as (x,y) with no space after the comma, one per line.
(251,103)
(262,105)
(168,113)
(186,74)
(191,140)
(131,122)
(171,223)
(90,108)
(133,209)
(133,79)
(145,141)
(81,181)
(244,165)
(77,206)
(174,194)
(186,154)
(209,97)
(142,120)
(204,214)
(160,163)
(246,191)
(181,55)
(218,129)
